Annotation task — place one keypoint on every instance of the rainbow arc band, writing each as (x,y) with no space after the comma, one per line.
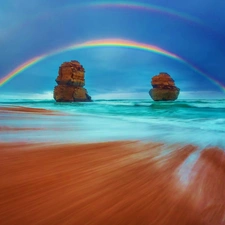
(143,6)
(107,43)
(131,5)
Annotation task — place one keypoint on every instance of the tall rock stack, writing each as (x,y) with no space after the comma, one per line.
(164,88)
(70,82)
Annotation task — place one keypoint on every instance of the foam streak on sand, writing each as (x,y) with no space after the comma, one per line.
(109,183)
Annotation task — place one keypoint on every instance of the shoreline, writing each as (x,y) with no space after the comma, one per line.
(21,124)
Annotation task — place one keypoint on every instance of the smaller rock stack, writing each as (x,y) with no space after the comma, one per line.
(70,82)
(164,88)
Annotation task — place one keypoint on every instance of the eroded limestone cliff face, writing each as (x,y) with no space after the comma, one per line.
(164,88)
(70,82)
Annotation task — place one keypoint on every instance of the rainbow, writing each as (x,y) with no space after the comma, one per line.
(144,6)
(113,4)
(107,43)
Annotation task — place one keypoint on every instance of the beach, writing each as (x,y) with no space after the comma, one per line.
(108,182)
(112,112)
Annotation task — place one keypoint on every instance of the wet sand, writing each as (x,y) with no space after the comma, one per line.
(28,110)
(5,128)
(12,114)
(111,183)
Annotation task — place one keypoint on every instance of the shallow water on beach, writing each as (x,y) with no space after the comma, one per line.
(199,122)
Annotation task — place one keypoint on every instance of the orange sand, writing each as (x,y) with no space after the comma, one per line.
(109,183)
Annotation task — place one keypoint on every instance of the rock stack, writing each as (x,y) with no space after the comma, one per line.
(70,82)
(164,88)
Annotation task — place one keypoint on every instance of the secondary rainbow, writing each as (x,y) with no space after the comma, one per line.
(110,4)
(130,5)
(106,43)
(147,7)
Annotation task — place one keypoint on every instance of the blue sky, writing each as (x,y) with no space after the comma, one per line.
(32,28)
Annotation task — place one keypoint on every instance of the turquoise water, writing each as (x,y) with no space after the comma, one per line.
(200,122)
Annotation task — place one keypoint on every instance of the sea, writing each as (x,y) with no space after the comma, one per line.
(197,122)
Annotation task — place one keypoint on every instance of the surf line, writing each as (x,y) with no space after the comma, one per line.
(123,43)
